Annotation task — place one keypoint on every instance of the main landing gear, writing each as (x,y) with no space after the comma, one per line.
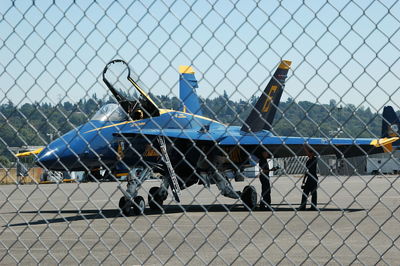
(156,198)
(135,206)
(249,197)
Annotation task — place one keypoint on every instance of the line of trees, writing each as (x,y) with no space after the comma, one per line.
(35,124)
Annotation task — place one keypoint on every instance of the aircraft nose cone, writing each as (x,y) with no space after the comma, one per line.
(48,159)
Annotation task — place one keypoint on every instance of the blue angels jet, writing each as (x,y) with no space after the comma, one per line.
(184,147)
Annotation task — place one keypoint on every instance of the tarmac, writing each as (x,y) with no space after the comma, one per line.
(358,222)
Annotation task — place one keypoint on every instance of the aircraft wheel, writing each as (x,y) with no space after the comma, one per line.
(249,197)
(125,206)
(155,199)
(138,207)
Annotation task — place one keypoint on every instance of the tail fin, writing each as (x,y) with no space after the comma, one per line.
(263,113)
(187,91)
(390,123)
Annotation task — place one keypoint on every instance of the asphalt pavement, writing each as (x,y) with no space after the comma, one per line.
(358,222)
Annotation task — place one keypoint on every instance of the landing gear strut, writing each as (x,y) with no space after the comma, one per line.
(131,202)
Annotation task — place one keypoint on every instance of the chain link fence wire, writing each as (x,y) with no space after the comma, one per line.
(92,183)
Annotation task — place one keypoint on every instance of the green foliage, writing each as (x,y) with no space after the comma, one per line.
(31,124)
(4,162)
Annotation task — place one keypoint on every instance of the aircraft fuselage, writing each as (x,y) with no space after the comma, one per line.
(98,144)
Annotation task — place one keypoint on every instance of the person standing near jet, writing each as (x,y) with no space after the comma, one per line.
(310,182)
(265,203)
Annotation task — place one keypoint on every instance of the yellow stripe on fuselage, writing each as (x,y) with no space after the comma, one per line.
(162,111)
(113,125)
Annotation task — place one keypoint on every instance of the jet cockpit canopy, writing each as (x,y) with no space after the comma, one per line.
(110,112)
(137,103)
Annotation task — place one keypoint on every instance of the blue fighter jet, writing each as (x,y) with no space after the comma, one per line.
(184,147)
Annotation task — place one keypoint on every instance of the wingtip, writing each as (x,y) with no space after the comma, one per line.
(24,154)
(385,143)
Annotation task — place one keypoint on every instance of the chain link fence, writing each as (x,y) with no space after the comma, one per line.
(98,168)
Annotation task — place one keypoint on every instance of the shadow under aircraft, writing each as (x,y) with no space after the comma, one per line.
(183,148)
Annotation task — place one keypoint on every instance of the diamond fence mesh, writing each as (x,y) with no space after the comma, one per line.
(164,155)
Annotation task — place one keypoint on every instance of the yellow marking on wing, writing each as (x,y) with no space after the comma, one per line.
(186,70)
(385,143)
(23,154)
(285,64)
(270,94)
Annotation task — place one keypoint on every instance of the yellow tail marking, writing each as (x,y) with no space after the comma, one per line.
(186,70)
(270,95)
(285,64)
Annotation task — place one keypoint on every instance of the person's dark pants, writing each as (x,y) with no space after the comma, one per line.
(265,190)
(309,188)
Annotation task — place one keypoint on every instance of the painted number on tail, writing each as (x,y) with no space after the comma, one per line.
(270,95)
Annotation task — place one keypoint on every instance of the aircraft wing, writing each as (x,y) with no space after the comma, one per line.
(294,146)
(278,146)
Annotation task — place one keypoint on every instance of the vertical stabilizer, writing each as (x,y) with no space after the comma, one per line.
(390,123)
(187,91)
(263,113)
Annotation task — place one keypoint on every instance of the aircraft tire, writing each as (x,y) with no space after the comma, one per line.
(249,197)
(139,205)
(155,199)
(125,206)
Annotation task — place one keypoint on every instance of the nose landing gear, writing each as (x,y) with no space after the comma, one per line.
(132,203)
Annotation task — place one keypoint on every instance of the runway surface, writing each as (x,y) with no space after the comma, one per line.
(358,222)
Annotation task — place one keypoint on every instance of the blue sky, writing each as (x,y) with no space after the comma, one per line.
(342,50)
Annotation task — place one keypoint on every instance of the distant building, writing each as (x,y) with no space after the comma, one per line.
(386,163)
